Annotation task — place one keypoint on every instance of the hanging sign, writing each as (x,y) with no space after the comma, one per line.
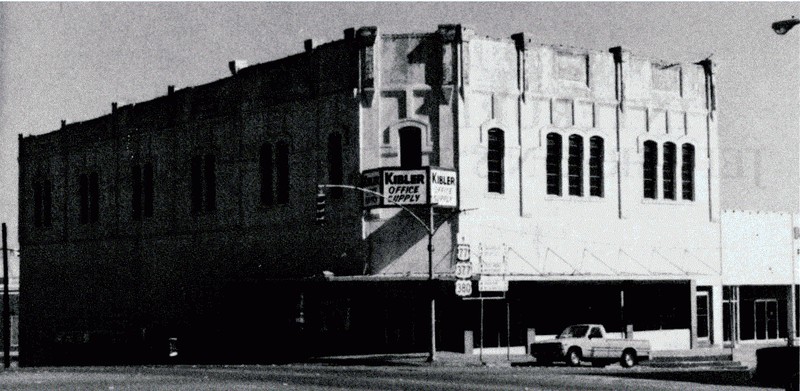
(443,187)
(421,186)
(371,181)
(405,187)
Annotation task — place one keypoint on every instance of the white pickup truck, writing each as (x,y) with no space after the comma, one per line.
(588,342)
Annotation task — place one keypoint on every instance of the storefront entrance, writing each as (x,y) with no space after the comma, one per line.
(766,318)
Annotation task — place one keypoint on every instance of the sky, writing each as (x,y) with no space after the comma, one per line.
(71,60)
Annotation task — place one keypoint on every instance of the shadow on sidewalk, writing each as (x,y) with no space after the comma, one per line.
(370,360)
(703,376)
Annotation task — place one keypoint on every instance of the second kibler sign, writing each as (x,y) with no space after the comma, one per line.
(409,187)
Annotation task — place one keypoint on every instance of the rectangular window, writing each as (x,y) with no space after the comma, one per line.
(136,192)
(94,198)
(649,169)
(687,172)
(575,165)
(596,156)
(197,184)
(554,164)
(335,164)
(37,204)
(47,204)
(211,183)
(83,197)
(148,189)
(669,171)
(204,183)
(142,183)
(266,167)
(282,164)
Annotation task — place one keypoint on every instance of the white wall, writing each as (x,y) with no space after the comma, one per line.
(548,235)
(756,248)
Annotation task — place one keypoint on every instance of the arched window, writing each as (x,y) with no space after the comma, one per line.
(410,147)
(266,168)
(554,164)
(282,163)
(649,168)
(668,171)
(494,157)
(687,172)
(335,166)
(596,156)
(575,165)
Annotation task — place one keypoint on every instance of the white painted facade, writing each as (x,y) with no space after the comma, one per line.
(527,91)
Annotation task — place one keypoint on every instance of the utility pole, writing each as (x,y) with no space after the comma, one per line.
(431,229)
(6,309)
(432,287)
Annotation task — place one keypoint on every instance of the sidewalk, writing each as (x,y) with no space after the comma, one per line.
(727,377)
(745,353)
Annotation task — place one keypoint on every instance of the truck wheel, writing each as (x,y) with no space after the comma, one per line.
(574,357)
(628,358)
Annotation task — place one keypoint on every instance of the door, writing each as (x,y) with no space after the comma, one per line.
(703,315)
(766,318)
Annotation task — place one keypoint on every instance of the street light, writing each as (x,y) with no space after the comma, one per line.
(782,27)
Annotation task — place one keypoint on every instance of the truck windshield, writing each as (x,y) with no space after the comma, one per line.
(574,332)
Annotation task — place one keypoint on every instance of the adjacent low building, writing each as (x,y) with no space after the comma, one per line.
(584,180)
(759,250)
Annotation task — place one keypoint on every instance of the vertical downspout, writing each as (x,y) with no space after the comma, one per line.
(710,107)
(619,87)
(519,41)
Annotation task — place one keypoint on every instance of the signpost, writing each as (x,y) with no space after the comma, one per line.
(491,278)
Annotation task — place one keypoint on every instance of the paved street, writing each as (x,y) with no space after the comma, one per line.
(327,377)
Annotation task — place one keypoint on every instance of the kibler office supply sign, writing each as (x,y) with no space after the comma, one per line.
(410,187)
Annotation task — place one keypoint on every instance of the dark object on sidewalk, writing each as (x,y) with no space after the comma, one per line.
(778,366)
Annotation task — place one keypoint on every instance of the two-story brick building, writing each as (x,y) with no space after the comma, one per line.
(590,175)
